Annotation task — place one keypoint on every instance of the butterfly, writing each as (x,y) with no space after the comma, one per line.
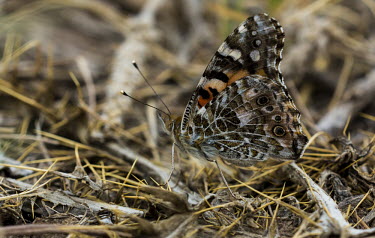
(241,110)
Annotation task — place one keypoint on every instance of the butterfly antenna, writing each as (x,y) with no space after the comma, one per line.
(145,79)
(146,104)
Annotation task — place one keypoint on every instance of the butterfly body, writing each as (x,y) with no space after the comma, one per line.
(241,110)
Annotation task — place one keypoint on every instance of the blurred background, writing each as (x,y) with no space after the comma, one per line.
(64,63)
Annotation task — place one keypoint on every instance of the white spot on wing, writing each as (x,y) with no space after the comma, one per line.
(225,50)
(201,111)
(235,54)
(242,28)
(222,47)
(202,80)
(255,55)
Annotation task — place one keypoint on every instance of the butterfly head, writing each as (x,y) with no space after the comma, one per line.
(171,124)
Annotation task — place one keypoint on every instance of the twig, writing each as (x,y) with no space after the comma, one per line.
(83,66)
(135,47)
(331,220)
(359,95)
(82,204)
(41,229)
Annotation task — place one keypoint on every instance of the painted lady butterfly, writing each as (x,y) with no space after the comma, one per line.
(241,110)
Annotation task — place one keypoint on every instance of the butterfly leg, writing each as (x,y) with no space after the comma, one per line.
(225,181)
(172,167)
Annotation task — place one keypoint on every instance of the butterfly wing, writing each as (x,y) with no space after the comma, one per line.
(241,110)
(251,120)
(253,48)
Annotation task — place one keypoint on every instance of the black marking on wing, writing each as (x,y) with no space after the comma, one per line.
(216,75)
(203,93)
(214,91)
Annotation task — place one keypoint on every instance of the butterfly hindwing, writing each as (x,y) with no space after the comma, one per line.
(250,121)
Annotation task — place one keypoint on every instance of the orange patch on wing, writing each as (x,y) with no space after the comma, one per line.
(237,75)
(202,101)
(220,85)
(216,84)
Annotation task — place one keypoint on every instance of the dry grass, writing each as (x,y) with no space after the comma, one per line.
(77,158)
